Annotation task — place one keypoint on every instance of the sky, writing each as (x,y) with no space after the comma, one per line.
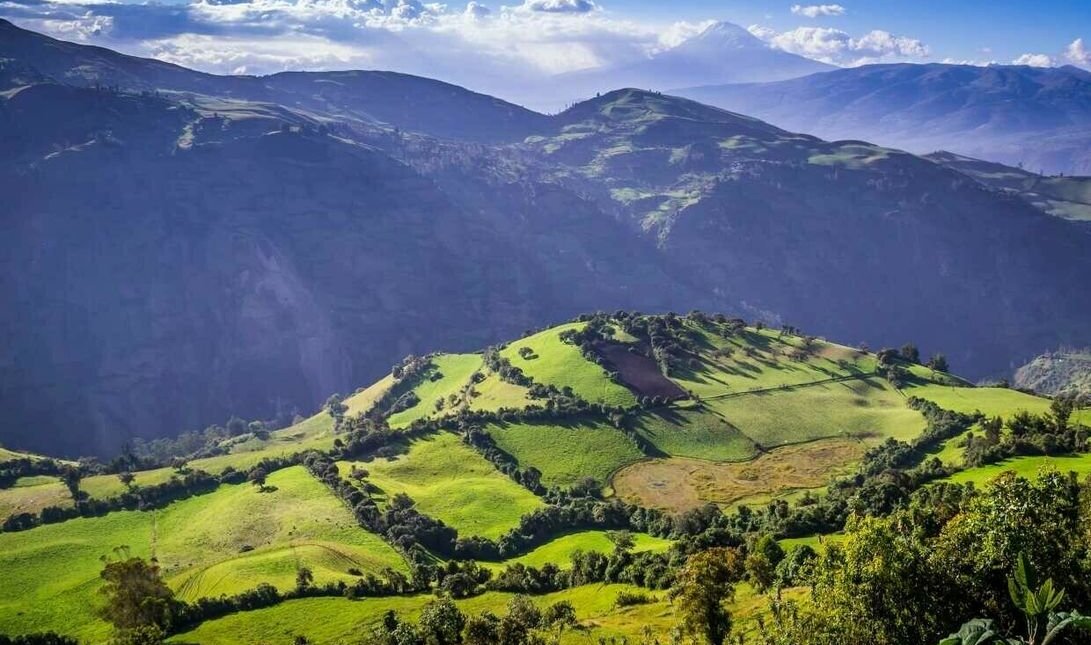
(496,45)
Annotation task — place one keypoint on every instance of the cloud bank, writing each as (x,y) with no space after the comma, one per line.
(840,48)
(816,10)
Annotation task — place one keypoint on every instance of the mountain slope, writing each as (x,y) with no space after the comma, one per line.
(1060,372)
(375,97)
(145,266)
(1063,196)
(1011,114)
(722,53)
(220,256)
(836,237)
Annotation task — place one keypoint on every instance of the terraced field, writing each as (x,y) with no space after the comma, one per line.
(567,453)
(451,482)
(51,572)
(554,362)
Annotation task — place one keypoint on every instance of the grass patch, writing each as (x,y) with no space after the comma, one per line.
(451,482)
(697,433)
(326,621)
(679,484)
(1024,467)
(559,551)
(566,453)
(991,401)
(760,359)
(863,408)
(32,494)
(452,371)
(554,362)
(362,401)
(492,394)
(51,572)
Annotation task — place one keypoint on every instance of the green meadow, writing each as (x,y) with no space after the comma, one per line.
(451,373)
(559,551)
(566,453)
(451,482)
(554,362)
(32,494)
(694,432)
(493,393)
(759,359)
(860,408)
(226,541)
(990,401)
(1027,467)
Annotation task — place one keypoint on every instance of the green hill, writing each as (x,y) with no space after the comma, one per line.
(540,449)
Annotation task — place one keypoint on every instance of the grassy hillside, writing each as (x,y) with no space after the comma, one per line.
(451,482)
(1025,467)
(451,373)
(868,409)
(51,572)
(761,359)
(775,416)
(698,433)
(32,494)
(553,362)
(560,550)
(567,452)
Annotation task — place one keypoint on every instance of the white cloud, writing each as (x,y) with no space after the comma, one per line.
(816,10)
(840,48)
(560,6)
(1077,54)
(1035,60)
(476,10)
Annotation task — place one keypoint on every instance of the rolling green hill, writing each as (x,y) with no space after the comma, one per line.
(664,413)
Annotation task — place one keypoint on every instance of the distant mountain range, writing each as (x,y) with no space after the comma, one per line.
(722,53)
(1039,118)
(178,247)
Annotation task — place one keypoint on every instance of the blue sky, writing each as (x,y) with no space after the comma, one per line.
(498,45)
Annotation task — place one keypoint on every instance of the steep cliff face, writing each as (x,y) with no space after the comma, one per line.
(167,266)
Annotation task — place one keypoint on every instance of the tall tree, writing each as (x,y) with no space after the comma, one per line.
(702,589)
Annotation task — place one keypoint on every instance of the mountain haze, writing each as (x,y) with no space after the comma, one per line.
(1037,117)
(722,53)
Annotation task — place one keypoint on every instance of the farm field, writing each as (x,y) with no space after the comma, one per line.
(695,432)
(559,550)
(868,409)
(451,373)
(566,453)
(451,482)
(554,362)
(51,572)
(679,484)
(32,494)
